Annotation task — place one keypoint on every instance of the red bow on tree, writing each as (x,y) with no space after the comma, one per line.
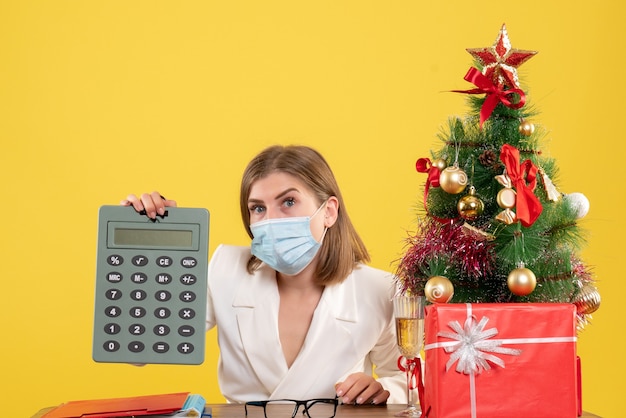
(424,165)
(495,94)
(524,178)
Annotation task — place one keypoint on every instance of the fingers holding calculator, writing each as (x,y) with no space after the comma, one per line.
(152,204)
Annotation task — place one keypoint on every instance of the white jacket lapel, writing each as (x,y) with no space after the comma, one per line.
(256,305)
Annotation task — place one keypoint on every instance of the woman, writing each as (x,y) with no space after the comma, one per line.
(299,314)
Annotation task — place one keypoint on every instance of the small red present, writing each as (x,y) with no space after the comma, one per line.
(492,360)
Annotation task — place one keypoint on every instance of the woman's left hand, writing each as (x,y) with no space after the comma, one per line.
(361,388)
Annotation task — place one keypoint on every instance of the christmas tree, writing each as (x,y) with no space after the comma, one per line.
(494,227)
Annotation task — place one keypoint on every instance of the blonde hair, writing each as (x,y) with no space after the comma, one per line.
(342,248)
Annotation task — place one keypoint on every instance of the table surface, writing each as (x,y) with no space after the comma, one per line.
(237,411)
(344,411)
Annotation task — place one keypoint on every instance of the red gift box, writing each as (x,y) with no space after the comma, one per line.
(503,360)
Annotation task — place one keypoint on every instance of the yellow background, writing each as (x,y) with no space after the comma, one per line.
(99,99)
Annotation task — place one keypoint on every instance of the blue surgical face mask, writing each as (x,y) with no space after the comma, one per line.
(285,244)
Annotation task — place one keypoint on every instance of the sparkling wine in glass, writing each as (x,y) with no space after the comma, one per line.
(409,314)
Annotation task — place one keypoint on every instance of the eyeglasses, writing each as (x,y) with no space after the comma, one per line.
(280,408)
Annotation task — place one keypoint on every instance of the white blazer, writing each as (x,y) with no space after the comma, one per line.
(352,329)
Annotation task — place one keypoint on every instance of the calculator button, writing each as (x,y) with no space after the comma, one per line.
(114,277)
(189,262)
(186,313)
(188,279)
(163,295)
(162,313)
(161,347)
(185,348)
(163,278)
(111,346)
(115,260)
(112,328)
(139,260)
(187,296)
(113,311)
(161,329)
(186,330)
(137,312)
(139,277)
(136,329)
(164,261)
(136,346)
(138,295)
(113,294)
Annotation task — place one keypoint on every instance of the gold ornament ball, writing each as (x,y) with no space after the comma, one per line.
(439,289)
(521,281)
(587,300)
(526,128)
(440,163)
(470,206)
(453,180)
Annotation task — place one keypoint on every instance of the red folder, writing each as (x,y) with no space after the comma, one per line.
(121,407)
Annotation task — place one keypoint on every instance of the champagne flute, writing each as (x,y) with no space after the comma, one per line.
(408,311)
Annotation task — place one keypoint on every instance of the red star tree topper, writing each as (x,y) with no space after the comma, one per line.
(500,61)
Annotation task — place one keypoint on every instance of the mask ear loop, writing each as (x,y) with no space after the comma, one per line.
(323,235)
(325,217)
(319,209)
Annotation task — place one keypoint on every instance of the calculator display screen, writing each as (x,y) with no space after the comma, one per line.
(153,237)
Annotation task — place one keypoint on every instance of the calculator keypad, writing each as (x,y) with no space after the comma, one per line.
(139,312)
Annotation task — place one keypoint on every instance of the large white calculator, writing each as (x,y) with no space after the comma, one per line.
(151,286)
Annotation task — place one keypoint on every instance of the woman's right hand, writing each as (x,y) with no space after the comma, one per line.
(153,203)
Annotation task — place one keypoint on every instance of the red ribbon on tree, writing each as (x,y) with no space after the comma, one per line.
(495,94)
(524,178)
(414,365)
(424,165)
